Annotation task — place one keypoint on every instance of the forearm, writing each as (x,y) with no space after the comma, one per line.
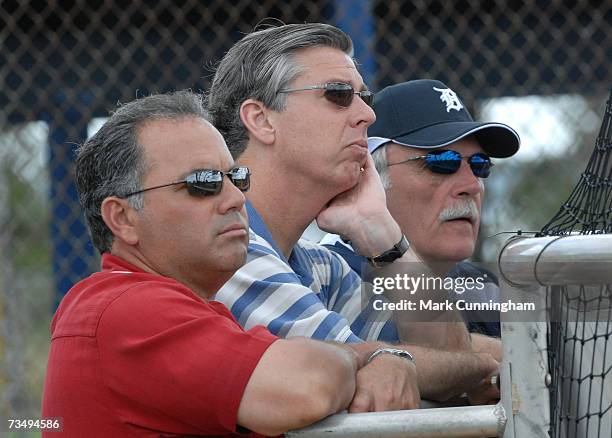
(487,344)
(444,374)
(449,335)
(297,382)
(441,374)
(444,329)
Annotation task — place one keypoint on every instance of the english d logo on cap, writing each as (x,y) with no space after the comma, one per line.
(427,114)
(450,98)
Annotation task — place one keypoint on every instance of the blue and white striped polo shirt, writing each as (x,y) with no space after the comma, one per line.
(313,294)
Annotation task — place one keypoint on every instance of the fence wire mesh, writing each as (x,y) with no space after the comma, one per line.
(589,208)
(540,66)
(580,361)
(580,343)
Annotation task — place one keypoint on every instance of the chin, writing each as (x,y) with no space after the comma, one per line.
(349,177)
(233,261)
(451,254)
(459,254)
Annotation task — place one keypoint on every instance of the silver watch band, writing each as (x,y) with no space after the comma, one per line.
(394,351)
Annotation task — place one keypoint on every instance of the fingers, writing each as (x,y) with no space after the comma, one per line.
(388,383)
(392,398)
(385,399)
(363,401)
(487,392)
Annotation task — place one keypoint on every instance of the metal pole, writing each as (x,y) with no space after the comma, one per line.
(524,378)
(558,260)
(356,18)
(471,421)
(581,265)
(72,251)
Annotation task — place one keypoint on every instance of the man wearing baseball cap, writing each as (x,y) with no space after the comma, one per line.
(432,158)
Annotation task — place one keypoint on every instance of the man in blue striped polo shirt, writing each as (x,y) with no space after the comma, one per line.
(293,108)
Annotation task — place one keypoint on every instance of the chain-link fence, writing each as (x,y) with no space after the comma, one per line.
(541,66)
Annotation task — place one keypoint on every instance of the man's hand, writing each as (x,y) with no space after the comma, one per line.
(487,344)
(387,383)
(486,391)
(360,214)
(367,197)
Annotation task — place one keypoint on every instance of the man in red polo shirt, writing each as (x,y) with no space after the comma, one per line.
(138,349)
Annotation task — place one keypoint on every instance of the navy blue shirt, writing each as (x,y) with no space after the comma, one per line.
(485,322)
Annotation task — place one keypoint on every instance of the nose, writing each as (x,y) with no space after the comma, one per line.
(231,198)
(363,113)
(466,184)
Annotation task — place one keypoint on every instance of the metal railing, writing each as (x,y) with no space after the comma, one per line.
(525,409)
(469,421)
(556,374)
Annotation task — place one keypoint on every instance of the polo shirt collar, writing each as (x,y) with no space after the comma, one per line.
(257,224)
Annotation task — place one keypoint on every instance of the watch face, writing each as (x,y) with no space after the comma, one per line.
(394,351)
(405,354)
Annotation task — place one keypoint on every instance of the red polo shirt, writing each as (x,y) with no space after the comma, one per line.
(135,354)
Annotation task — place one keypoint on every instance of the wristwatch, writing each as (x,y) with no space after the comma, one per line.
(393,351)
(390,255)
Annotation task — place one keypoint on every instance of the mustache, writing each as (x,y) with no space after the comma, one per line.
(460,210)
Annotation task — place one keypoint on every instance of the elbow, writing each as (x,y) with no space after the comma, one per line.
(330,390)
(322,399)
(320,402)
(314,381)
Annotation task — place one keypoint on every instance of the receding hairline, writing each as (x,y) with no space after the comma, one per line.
(303,68)
(148,163)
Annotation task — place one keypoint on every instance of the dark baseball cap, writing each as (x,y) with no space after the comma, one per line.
(427,114)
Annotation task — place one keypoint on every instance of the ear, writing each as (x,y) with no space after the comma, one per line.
(255,117)
(120,217)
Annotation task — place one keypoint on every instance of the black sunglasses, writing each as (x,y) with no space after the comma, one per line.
(446,162)
(208,182)
(338,93)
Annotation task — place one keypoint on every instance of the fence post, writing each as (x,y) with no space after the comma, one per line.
(355,17)
(524,372)
(527,267)
(72,250)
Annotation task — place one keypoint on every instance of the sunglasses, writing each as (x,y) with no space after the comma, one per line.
(446,162)
(208,182)
(338,93)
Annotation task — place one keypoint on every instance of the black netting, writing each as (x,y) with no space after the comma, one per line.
(580,361)
(589,208)
(580,336)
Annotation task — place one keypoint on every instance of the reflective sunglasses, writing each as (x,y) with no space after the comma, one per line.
(338,93)
(208,182)
(446,162)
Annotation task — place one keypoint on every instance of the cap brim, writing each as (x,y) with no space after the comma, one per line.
(497,139)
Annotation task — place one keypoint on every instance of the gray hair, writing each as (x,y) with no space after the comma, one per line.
(258,67)
(381,163)
(111,163)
